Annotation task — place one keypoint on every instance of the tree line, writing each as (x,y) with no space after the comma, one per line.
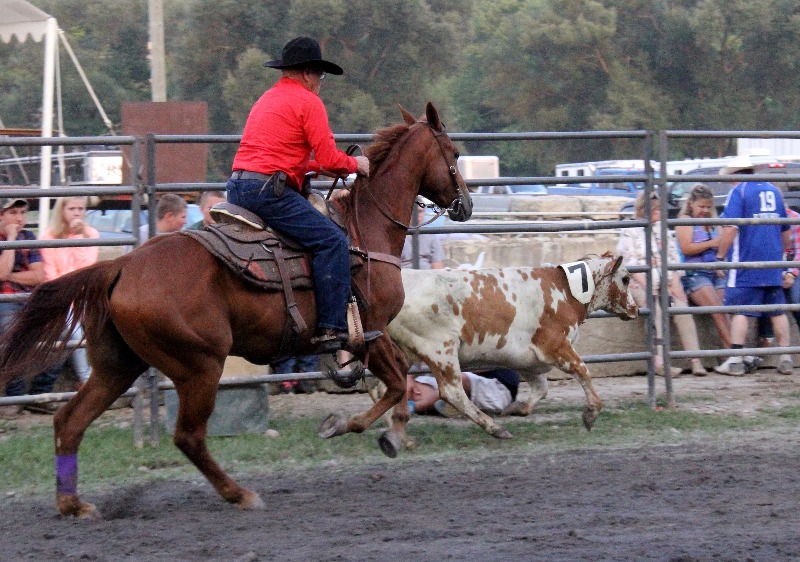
(488,65)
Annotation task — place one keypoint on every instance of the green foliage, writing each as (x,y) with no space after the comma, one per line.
(489,65)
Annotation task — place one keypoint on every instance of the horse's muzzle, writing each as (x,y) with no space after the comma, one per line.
(461,209)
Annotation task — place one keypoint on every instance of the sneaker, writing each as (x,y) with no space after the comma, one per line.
(785,365)
(733,366)
(287,387)
(751,363)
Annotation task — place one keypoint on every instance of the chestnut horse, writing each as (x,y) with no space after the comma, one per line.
(171,305)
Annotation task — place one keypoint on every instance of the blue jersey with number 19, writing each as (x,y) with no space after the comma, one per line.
(762,242)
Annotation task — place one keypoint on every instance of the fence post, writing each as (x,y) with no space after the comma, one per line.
(155,401)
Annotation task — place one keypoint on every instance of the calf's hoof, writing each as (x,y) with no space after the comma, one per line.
(515,409)
(332,426)
(501,433)
(589,416)
(390,443)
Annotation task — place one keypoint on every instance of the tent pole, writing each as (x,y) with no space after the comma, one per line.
(46,165)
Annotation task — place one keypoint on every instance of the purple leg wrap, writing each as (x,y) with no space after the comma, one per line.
(67,474)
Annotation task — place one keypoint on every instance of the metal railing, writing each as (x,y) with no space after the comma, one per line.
(148,188)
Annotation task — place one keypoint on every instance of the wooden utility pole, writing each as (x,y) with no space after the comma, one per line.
(158,72)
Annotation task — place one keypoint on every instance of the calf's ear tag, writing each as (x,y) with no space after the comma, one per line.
(580,279)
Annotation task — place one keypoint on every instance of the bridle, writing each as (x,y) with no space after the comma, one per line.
(452,170)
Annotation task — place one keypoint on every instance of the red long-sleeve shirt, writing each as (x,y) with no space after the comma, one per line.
(284,127)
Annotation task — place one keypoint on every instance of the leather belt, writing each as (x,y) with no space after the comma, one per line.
(245,175)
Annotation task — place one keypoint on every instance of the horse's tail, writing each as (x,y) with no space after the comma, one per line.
(35,338)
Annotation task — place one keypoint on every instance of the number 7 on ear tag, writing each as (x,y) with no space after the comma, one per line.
(580,279)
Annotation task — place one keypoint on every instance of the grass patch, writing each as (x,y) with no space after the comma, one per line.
(108,457)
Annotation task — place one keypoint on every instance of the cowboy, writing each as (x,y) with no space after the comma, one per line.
(284,127)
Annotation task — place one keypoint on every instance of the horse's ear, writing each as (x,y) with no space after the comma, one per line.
(617,263)
(407,117)
(433,117)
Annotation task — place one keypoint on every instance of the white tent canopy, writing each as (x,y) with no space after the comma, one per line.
(20,19)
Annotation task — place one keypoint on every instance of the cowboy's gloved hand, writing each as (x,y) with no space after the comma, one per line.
(363,165)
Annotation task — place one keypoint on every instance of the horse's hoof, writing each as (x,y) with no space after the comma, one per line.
(251,502)
(390,443)
(350,379)
(71,506)
(88,512)
(332,426)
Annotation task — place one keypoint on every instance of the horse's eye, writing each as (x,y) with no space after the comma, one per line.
(456,155)
(626,279)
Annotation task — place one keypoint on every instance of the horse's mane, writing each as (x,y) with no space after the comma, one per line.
(377,152)
(385,139)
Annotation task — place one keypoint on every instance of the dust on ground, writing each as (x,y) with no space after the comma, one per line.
(732,499)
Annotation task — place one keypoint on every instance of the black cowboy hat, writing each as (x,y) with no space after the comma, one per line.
(304,51)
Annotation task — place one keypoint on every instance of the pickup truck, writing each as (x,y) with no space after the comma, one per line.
(621,189)
(497,198)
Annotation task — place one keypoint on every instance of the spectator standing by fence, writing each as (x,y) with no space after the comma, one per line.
(793,292)
(698,244)
(755,243)
(68,222)
(632,247)
(20,271)
(170,217)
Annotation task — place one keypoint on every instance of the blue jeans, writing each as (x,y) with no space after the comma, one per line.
(41,383)
(291,215)
(80,360)
(300,364)
(793,297)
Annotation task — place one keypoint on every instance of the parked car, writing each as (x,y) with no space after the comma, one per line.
(117,223)
(525,189)
(678,191)
(620,188)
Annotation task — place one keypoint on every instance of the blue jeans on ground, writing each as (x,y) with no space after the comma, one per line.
(292,215)
(41,383)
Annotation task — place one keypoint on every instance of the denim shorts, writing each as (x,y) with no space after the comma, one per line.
(694,280)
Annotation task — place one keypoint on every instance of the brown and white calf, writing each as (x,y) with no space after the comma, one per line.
(522,318)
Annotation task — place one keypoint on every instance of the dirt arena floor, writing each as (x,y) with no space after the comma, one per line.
(734,498)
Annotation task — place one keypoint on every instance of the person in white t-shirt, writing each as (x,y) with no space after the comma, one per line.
(491,391)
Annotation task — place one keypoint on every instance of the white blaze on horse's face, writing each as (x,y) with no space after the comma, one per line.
(443,183)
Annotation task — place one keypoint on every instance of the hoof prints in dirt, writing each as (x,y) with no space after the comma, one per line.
(704,501)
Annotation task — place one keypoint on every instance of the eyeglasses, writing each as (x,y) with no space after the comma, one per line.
(321,76)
